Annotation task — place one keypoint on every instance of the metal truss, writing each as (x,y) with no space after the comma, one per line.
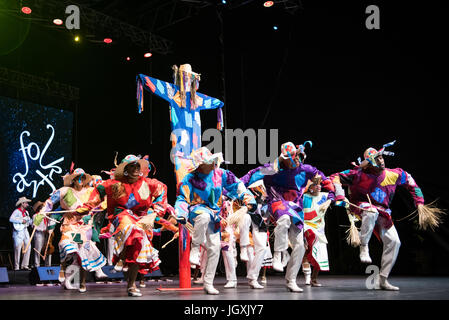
(37,84)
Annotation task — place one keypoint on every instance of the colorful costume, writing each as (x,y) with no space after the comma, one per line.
(285,190)
(185,107)
(372,191)
(76,243)
(126,205)
(200,200)
(314,235)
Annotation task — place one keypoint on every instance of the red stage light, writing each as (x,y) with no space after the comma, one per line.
(147,55)
(26,10)
(107,40)
(58,22)
(128,58)
(268,4)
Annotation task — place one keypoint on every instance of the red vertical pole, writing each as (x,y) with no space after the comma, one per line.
(184,255)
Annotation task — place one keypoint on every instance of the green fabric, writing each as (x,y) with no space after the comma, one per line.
(86,219)
(101,190)
(38,219)
(77,238)
(69,198)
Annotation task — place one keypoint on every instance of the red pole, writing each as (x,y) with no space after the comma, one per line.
(184,255)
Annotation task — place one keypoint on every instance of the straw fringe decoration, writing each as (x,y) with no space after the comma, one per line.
(147,222)
(429,216)
(234,219)
(353,237)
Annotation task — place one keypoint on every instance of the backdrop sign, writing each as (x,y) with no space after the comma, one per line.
(36,144)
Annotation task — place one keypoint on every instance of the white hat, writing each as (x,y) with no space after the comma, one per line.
(22,200)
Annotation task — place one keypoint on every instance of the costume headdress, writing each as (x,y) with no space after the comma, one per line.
(119,173)
(203,156)
(181,77)
(371,154)
(78,172)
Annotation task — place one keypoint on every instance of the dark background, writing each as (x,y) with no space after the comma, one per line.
(322,76)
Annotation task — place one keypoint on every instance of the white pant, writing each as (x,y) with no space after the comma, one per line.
(283,232)
(260,244)
(389,237)
(110,246)
(20,239)
(40,238)
(203,235)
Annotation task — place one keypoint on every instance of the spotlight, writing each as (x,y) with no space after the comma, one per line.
(268,4)
(77,39)
(26,10)
(275,27)
(223,1)
(58,22)
(148,54)
(128,58)
(107,40)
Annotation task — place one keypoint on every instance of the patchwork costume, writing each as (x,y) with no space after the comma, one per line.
(372,193)
(77,243)
(126,205)
(199,202)
(285,190)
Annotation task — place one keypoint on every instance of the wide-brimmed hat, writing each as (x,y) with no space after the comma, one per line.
(96,180)
(371,154)
(68,178)
(129,159)
(22,200)
(204,156)
(37,205)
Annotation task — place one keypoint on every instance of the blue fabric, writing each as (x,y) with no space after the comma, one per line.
(183,120)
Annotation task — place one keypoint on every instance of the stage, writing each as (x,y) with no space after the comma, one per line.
(334,288)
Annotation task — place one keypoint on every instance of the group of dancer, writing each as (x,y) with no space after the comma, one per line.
(217,207)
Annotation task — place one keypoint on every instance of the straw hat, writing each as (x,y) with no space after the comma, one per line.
(22,200)
(37,205)
(204,156)
(68,178)
(120,170)
(187,68)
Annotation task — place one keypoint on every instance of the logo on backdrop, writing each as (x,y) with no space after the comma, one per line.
(34,156)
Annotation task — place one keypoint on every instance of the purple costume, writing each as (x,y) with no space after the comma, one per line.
(286,188)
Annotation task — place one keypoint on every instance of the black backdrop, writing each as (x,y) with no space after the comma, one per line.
(322,76)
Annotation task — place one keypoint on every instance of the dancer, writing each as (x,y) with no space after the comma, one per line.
(21,220)
(76,247)
(371,190)
(315,207)
(285,190)
(133,203)
(257,222)
(199,202)
(41,235)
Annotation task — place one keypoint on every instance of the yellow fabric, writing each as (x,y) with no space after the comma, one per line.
(390,178)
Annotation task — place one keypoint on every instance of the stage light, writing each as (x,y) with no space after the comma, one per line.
(58,22)
(275,27)
(77,39)
(128,58)
(268,4)
(148,54)
(107,40)
(26,10)
(223,1)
